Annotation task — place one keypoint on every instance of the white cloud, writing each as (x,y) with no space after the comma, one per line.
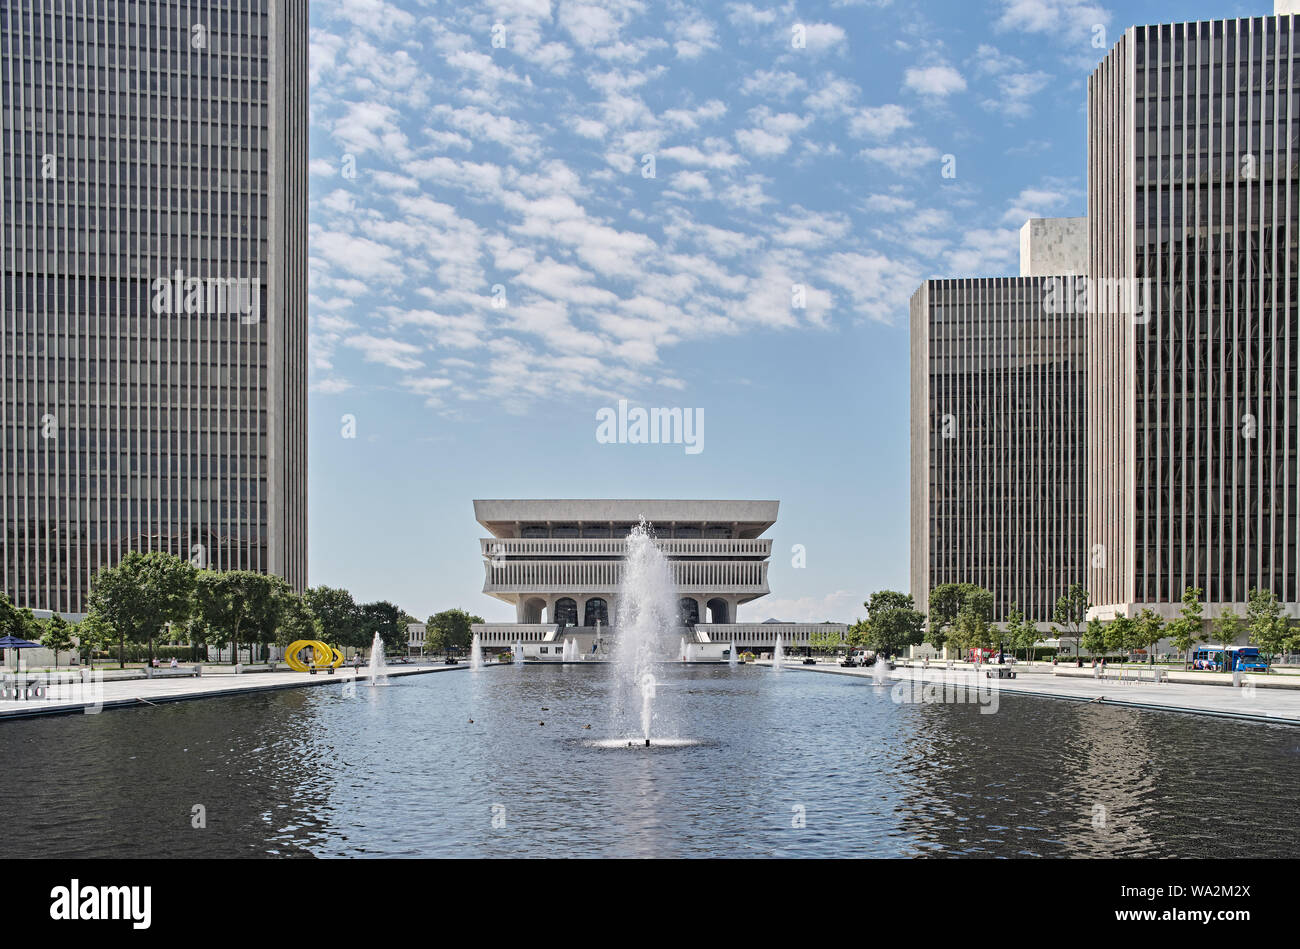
(934,81)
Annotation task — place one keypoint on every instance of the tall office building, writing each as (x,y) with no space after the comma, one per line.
(1193,167)
(154,291)
(997,427)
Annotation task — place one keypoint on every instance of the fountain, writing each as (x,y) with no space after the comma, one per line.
(778,655)
(647,609)
(519,654)
(880,671)
(681,650)
(476,654)
(378,671)
(690,652)
(731,654)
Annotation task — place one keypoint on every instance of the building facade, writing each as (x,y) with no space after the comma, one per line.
(997,438)
(154,290)
(560,563)
(1193,197)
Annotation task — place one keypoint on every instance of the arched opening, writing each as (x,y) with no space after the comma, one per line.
(566,612)
(719,610)
(689,610)
(533,609)
(597,611)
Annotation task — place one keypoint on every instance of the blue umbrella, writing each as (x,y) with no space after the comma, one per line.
(13,642)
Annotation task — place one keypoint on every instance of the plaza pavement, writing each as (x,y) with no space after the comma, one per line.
(122,693)
(1278,705)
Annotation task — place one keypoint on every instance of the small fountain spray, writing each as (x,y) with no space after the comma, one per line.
(378,670)
(778,655)
(731,655)
(476,653)
(880,671)
(519,654)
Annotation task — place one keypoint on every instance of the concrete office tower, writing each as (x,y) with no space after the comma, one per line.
(154,291)
(997,429)
(1193,143)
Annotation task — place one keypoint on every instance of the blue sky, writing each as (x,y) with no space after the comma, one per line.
(492,261)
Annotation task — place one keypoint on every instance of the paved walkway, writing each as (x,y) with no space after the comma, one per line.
(1281,706)
(93,697)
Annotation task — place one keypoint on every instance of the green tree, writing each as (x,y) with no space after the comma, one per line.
(1094,637)
(142,594)
(1071,611)
(297,621)
(385,619)
(946,625)
(452,628)
(1227,627)
(1186,631)
(338,615)
(1150,630)
(893,623)
(94,633)
(859,633)
(240,606)
(57,636)
(1269,629)
(1120,634)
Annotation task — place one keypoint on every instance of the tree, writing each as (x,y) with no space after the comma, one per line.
(94,633)
(297,621)
(338,615)
(452,627)
(238,606)
(858,634)
(1027,637)
(1094,637)
(1071,611)
(1269,629)
(58,636)
(947,602)
(1120,634)
(1149,631)
(892,622)
(1227,627)
(141,594)
(1185,632)
(385,619)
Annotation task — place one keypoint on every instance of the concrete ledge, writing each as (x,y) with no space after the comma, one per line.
(193,688)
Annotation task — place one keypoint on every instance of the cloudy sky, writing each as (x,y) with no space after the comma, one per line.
(523,211)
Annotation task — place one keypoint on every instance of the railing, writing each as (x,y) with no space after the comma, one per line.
(764,634)
(604,576)
(498,547)
(507,634)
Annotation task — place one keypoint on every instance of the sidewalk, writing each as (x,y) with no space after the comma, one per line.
(1277,705)
(89,698)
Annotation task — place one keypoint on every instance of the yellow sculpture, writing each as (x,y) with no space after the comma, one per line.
(323,655)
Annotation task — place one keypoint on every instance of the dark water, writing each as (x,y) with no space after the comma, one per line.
(401,771)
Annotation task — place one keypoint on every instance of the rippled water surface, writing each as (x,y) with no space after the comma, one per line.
(789,764)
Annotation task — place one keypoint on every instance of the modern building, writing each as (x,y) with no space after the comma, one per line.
(560,564)
(154,290)
(997,467)
(1193,341)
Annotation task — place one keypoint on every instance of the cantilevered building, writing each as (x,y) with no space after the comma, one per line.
(153,372)
(1193,174)
(997,427)
(560,564)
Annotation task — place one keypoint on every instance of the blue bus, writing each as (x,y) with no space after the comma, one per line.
(1217,659)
